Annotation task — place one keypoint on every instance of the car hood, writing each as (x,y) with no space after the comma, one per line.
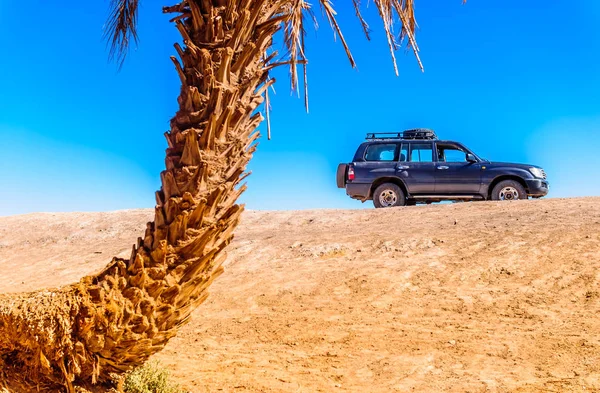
(495,164)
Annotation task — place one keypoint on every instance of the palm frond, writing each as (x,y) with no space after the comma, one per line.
(407,17)
(389,11)
(291,15)
(121,28)
(327,7)
(364,24)
(386,14)
(294,33)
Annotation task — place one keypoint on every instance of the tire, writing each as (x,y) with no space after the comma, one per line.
(341,175)
(388,195)
(508,190)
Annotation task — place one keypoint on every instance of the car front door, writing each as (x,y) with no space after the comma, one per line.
(454,174)
(417,170)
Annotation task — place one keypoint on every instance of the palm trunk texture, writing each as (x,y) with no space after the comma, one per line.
(60,339)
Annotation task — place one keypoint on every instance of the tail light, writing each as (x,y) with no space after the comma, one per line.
(350,173)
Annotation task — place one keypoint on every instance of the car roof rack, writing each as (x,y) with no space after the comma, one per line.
(416,133)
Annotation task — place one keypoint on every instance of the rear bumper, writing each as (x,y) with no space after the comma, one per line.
(537,187)
(358,191)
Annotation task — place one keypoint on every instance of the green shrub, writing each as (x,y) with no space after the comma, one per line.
(150,378)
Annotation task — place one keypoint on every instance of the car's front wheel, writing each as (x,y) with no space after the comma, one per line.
(388,195)
(509,190)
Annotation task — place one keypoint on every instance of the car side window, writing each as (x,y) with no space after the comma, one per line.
(421,152)
(381,152)
(451,153)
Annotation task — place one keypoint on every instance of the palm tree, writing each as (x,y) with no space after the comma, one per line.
(113,321)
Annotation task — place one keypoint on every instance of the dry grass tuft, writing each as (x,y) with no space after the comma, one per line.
(150,378)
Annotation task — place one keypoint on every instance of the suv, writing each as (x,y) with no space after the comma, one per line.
(414,166)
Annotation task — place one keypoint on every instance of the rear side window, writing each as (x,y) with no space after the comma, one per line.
(381,152)
(421,152)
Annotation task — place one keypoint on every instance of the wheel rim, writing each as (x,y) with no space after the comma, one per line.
(388,198)
(509,194)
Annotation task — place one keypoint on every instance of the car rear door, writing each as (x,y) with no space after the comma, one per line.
(379,160)
(418,170)
(454,174)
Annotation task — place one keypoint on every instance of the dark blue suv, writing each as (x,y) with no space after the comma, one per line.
(414,166)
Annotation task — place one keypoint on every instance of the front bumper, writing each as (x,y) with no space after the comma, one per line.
(537,188)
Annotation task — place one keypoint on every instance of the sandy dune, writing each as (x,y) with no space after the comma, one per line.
(471,297)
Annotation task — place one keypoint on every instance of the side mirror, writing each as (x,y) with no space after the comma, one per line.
(471,158)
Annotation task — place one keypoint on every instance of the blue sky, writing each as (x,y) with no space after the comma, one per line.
(515,81)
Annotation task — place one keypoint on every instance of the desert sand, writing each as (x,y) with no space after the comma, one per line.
(468,297)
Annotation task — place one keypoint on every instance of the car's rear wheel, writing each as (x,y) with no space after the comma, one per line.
(509,190)
(388,195)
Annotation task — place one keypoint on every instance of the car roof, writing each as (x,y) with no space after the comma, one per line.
(396,140)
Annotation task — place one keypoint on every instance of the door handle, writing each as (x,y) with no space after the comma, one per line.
(403,167)
(443,167)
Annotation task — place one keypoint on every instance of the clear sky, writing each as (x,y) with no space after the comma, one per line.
(515,81)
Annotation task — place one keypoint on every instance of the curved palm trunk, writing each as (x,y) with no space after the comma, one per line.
(113,321)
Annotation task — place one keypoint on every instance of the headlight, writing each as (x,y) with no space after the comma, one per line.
(537,172)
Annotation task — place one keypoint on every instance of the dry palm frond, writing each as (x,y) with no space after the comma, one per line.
(292,18)
(386,14)
(305,81)
(364,24)
(268,113)
(409,25)
(331,16)
(121,28)
(294,33)
(388,9)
